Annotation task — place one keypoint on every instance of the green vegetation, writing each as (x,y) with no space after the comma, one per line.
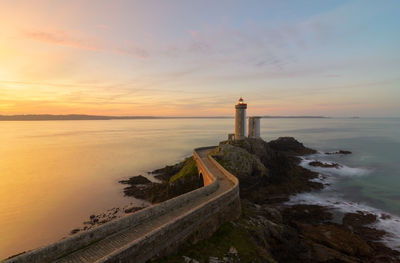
(229,234)
(189,169)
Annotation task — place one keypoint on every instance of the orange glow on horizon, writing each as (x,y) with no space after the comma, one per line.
(71,59)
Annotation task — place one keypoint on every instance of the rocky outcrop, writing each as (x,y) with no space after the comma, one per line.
(339,152)
(272,170)
(290,146)
(175,180)
(243,164)
(256,146)
(140,179)
(324,165)
(273,231)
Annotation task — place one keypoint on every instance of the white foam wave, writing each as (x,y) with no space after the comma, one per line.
(333,199)
(390,224)
(341,170)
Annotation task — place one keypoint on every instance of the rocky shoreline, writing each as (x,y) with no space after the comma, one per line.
(173,180)
(270,229)
(275,231)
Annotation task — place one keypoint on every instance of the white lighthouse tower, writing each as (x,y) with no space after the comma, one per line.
(254,127)
(240,120)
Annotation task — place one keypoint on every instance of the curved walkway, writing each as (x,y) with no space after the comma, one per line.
(126,244)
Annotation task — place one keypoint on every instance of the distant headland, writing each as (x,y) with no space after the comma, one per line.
(51,117)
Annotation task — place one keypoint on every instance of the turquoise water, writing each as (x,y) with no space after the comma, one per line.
(368,180)
(54,174)
(375,144)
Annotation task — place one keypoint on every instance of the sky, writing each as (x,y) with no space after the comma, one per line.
(196,58)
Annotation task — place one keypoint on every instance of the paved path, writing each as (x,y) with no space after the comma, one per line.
(102,248)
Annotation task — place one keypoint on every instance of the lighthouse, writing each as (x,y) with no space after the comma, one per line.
(240,120)
(254,127)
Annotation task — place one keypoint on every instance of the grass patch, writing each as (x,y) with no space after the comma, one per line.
(189,169)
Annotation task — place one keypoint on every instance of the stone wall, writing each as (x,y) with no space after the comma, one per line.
(208,178)
(162,240)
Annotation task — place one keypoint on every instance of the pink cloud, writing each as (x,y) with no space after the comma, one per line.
(62,38)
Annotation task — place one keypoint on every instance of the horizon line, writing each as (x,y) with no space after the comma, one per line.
(38,117)
(110,117)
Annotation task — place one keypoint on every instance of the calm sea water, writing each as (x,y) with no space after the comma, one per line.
(54,174)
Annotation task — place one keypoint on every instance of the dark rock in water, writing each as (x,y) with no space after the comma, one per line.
(185,179)
(164,174)
(385,216)
(339,152)
(359,219)
(144,193)
(324,165)
(358,223)
(290,146)
(140,179)
(74,231)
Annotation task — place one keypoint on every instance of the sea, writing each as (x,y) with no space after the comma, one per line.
(55,174)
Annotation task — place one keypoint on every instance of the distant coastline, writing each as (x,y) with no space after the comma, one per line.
(50,117)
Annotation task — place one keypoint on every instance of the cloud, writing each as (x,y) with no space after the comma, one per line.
(67,39)
(62,38)
(252,46)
